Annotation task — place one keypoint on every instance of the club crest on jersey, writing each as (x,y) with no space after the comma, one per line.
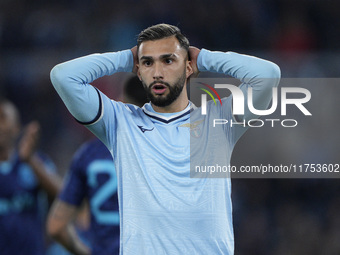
(195,130)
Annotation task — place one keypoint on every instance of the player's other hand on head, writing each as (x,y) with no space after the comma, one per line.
(135,59)
(29,141)
(193,53)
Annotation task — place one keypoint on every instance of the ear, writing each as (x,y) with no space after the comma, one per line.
(138,72)
(189,70)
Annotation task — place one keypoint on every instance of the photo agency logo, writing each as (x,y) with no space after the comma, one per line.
(204,97)
(243,101)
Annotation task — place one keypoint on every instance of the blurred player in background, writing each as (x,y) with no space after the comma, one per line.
(162,209)
(92,176)
(26,176)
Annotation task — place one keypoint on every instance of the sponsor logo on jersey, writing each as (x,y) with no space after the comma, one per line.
(144,129)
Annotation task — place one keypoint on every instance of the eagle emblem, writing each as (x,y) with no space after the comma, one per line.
(195,130)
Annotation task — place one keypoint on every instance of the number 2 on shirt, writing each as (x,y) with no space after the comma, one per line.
(104,192)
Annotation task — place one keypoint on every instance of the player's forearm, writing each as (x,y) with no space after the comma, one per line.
(59,227)
(69,239)
(48,181)
(243,67)
(71,80)
(91,67)
(259,74)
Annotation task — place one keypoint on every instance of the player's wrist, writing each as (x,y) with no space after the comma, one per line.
(202,58)
(125,61)
(26,158)
(82,249)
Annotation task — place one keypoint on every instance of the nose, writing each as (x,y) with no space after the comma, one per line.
(158,71)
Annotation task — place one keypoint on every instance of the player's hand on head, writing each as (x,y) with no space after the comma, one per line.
(29,141)
(135,59)
(193,53)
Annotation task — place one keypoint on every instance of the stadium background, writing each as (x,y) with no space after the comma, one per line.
(271,216)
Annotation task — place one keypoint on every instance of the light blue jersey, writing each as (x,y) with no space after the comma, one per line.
(162,209)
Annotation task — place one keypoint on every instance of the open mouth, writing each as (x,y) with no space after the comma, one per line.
(159,88)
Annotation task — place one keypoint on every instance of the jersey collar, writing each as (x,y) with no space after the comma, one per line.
(167,117)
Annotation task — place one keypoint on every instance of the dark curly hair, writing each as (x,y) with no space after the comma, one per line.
(161,31)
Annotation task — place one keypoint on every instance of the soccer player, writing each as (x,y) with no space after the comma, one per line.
(162,209)
(92,176)
(25,177)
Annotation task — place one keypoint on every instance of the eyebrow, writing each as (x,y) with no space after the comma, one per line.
(169,55)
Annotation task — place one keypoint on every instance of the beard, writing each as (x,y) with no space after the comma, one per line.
(174,91)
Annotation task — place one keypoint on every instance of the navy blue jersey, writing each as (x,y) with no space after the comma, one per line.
(22,208)
(92,175)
